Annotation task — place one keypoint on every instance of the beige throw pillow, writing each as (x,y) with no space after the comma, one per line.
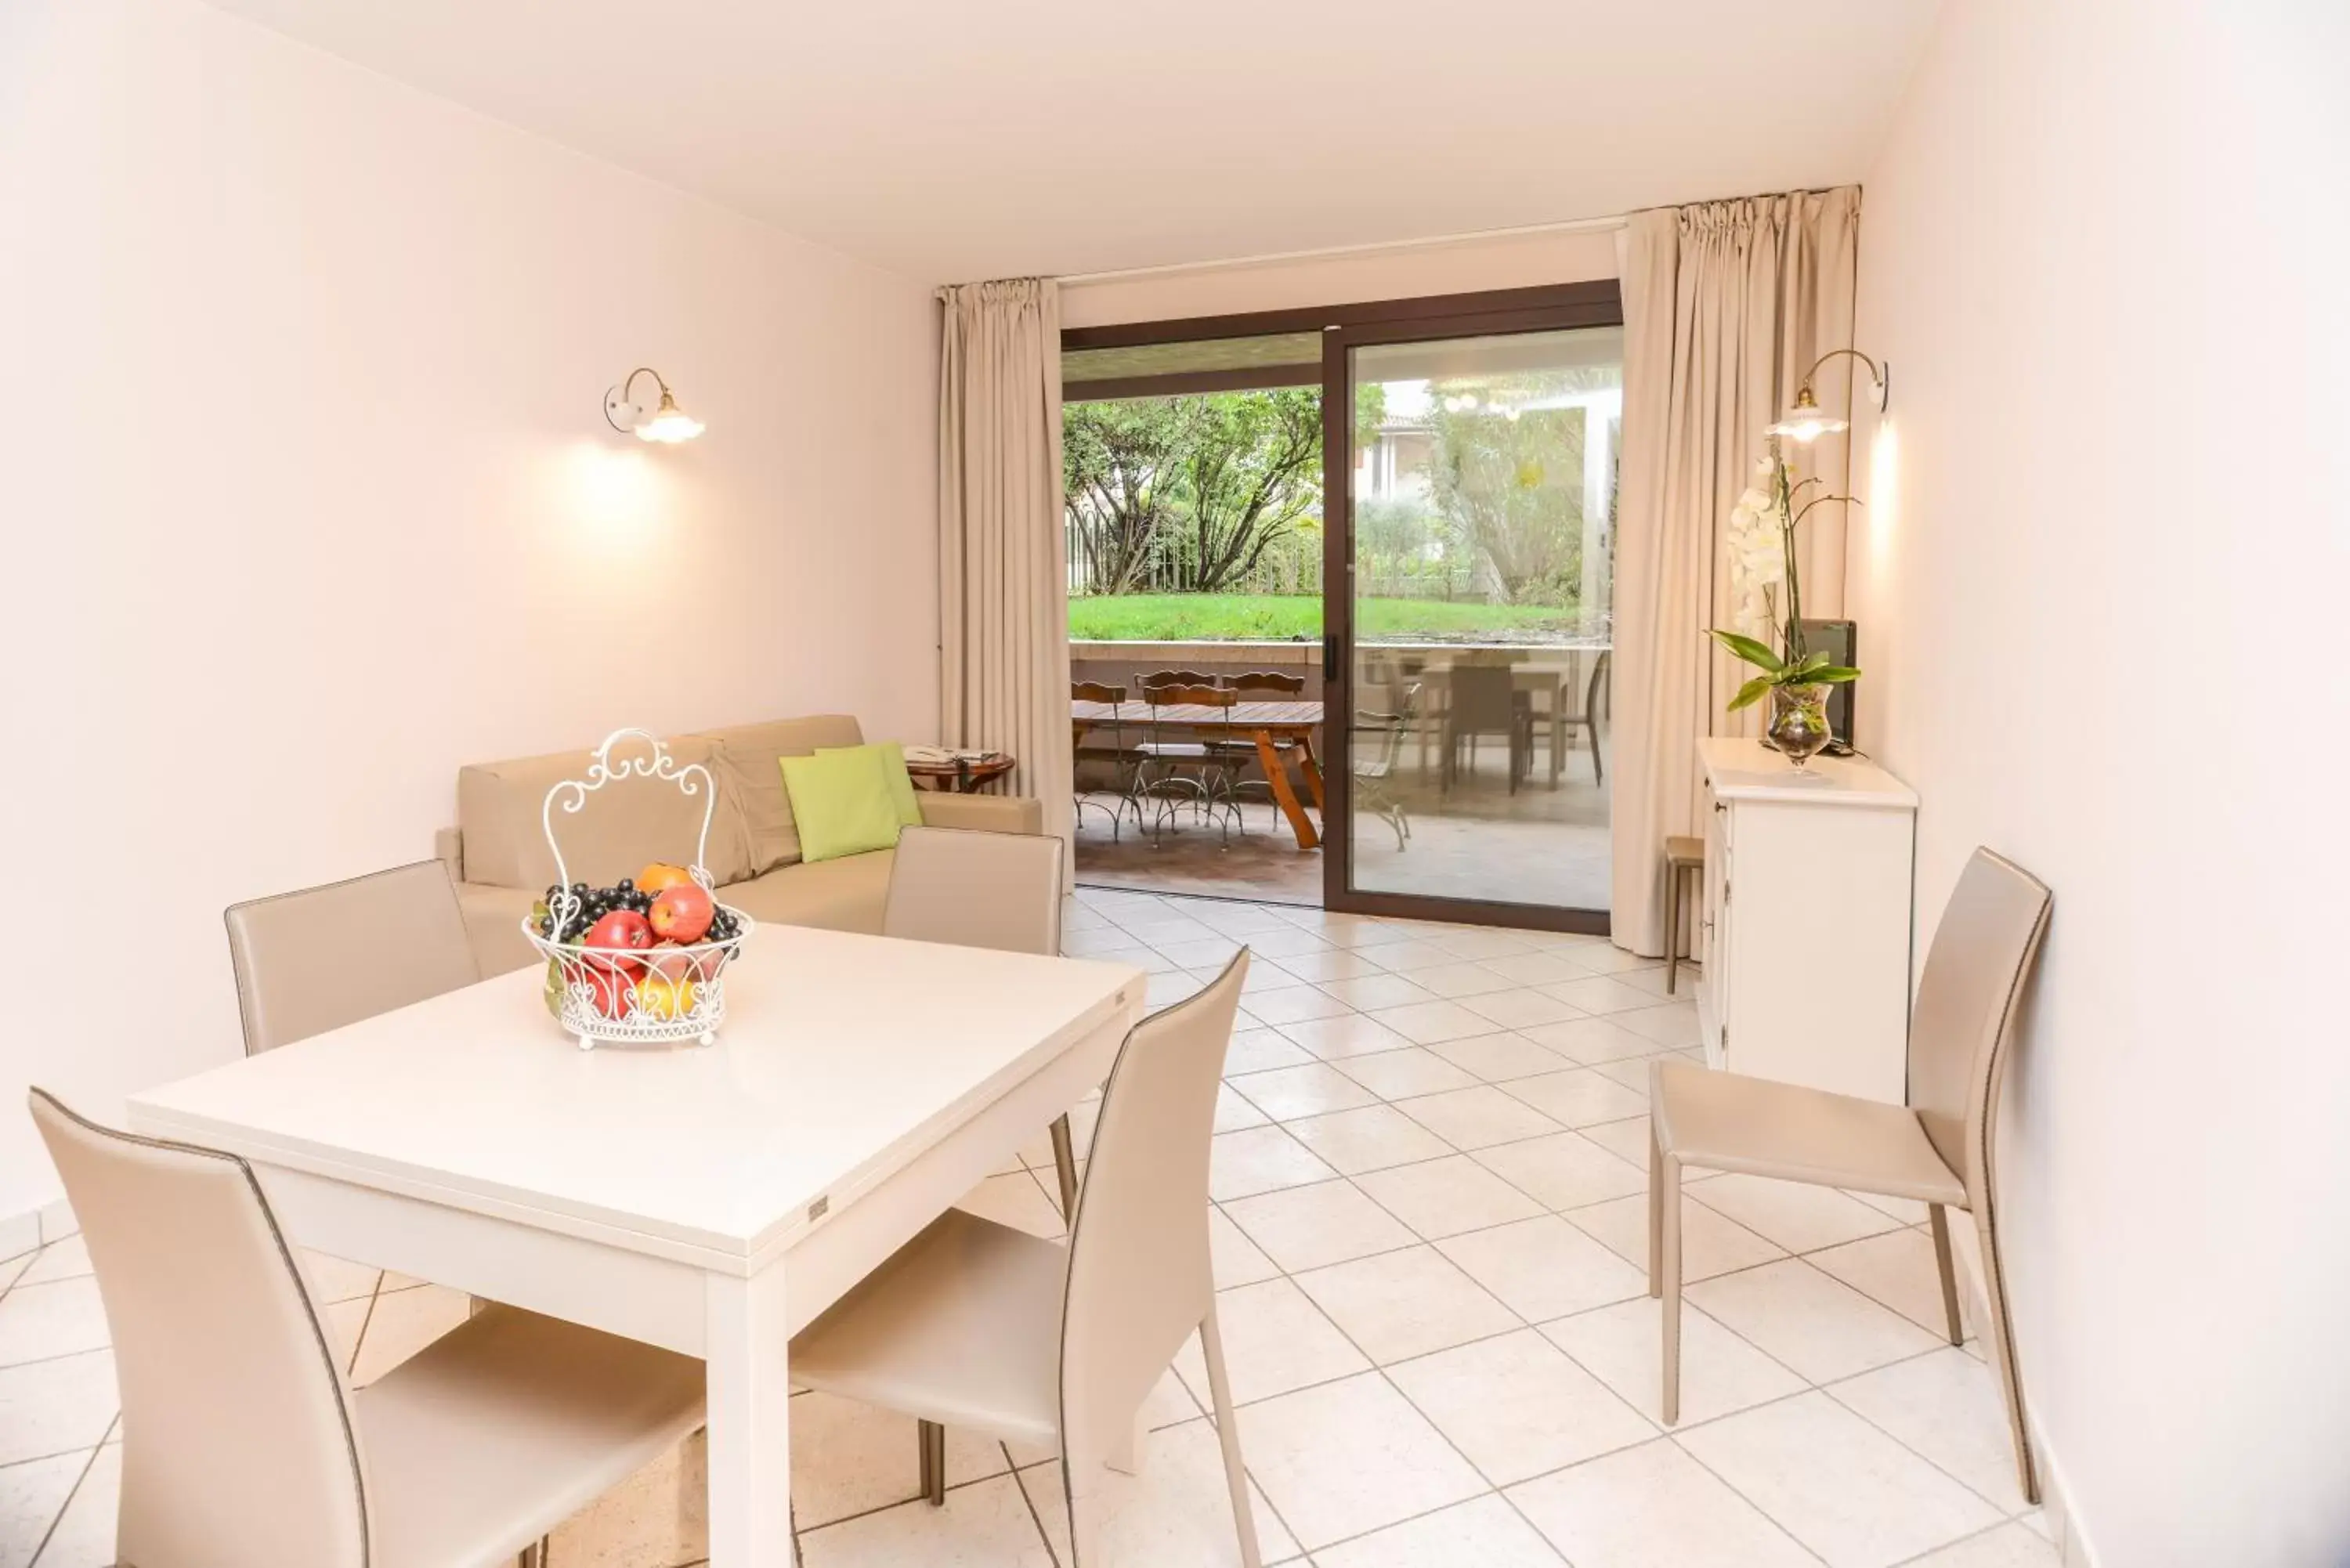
(749,756)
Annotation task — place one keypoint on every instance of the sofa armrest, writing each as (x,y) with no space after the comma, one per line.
(982,813)
(449,849)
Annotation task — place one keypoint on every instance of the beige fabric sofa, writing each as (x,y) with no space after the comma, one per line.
(499,857)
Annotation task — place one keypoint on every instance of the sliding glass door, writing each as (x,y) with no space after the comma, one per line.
(1387,528)
(1470,485)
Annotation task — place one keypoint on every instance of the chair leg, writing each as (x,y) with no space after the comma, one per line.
(1085,1529)
(533,1555)
(1999,1337)
(1127,1458)
(1943,1260)
(1672,926)
(1227,1436)
(1656,1211)
(1670,1237)
(933,1440)
(1130,798)
(1065,1166)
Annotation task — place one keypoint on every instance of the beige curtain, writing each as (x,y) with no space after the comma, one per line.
(1726,305)
(1003,643)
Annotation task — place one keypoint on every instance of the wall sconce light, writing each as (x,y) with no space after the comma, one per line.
(1806,421)
(668,424)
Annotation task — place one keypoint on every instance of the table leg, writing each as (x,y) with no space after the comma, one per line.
(1127,1458)
(1269,756)
(1312,768)
(748,1374)
(1557,732)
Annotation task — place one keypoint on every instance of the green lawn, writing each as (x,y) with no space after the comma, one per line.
(1283,617)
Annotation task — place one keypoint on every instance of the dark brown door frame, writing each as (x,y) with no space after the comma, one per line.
(1587,304)
(1498,302)
(1181,383)
(1492,313)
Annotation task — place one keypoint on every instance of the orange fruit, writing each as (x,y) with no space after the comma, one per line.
(660,875)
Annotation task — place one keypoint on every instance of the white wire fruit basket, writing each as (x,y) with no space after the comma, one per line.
(612,977)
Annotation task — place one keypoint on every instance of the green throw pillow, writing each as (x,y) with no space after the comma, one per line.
(893,768)
(840,803)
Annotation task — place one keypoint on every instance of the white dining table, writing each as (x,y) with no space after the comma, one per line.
(708,1200)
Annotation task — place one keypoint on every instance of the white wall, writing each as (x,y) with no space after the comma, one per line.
(307,496)
(2099,583)
(1400,272)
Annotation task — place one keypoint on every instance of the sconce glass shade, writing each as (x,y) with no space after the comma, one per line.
(1806,421)
(669,423)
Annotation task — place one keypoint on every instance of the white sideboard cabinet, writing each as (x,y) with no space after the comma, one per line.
(1805,924)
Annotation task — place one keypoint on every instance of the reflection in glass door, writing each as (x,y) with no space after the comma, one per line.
(1475,630)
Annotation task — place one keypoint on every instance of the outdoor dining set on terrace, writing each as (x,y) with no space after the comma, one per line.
(1174,741)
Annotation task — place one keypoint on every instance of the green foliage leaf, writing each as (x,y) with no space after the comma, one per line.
(1223,618)
(1827,675)
(1747,649)
(1752,691)
(1211,481)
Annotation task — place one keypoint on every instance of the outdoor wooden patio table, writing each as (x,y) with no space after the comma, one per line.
(1271,724)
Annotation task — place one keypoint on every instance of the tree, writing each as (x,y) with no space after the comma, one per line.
(1394,531)
(1252,473)
(1513,488)
(1211,481)
(1117,459)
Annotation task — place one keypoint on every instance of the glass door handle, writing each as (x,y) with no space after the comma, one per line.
(1330,660)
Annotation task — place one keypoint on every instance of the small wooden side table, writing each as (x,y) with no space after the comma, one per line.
(961,775)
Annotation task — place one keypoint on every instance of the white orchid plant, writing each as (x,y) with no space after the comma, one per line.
(1762,543)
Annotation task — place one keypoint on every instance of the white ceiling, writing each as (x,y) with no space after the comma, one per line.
(953,140)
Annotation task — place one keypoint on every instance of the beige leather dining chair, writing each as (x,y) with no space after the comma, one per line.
(309,961)
(999,890)
(242,1442)
(1937,1150)
(980,1325)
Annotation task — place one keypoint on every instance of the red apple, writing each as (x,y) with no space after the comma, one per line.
(622,930)
(670,961)
(682,913)
(609,990)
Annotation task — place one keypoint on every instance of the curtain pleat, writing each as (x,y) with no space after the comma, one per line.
(1003,646)
(1726,305)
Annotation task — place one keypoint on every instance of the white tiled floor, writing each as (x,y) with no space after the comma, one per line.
(1429,1244)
